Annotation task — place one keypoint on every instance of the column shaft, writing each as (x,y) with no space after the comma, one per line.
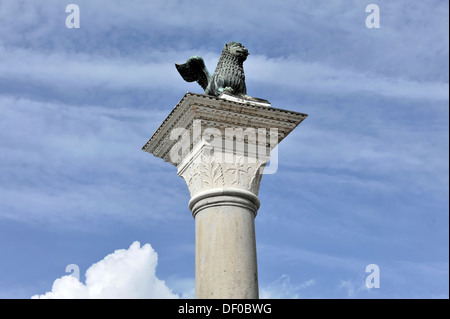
(225,246)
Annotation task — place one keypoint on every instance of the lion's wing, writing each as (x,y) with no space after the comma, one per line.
(194,70)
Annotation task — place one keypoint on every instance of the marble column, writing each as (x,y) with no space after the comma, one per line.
(220,147)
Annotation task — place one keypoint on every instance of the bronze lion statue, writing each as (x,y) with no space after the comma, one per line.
(228,77)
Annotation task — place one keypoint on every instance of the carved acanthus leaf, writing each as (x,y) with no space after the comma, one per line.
(211,172)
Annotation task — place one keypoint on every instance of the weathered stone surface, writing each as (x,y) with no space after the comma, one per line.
(225,246)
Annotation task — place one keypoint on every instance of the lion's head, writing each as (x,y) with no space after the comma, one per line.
(237,49)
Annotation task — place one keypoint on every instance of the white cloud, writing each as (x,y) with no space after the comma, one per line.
(131,273)
(126,273)
(184,287)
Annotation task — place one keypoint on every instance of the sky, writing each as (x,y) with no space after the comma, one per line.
(363,180)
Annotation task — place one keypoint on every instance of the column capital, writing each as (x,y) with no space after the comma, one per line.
(220,143)
(208,167)
(213,115)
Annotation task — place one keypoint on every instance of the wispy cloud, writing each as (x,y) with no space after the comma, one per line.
(283,288)
(349,60)
(353,288)
(61,162)
(296,74)
(332,32)
(322,259)
(80,71)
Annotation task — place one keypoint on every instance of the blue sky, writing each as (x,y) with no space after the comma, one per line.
(363,180)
